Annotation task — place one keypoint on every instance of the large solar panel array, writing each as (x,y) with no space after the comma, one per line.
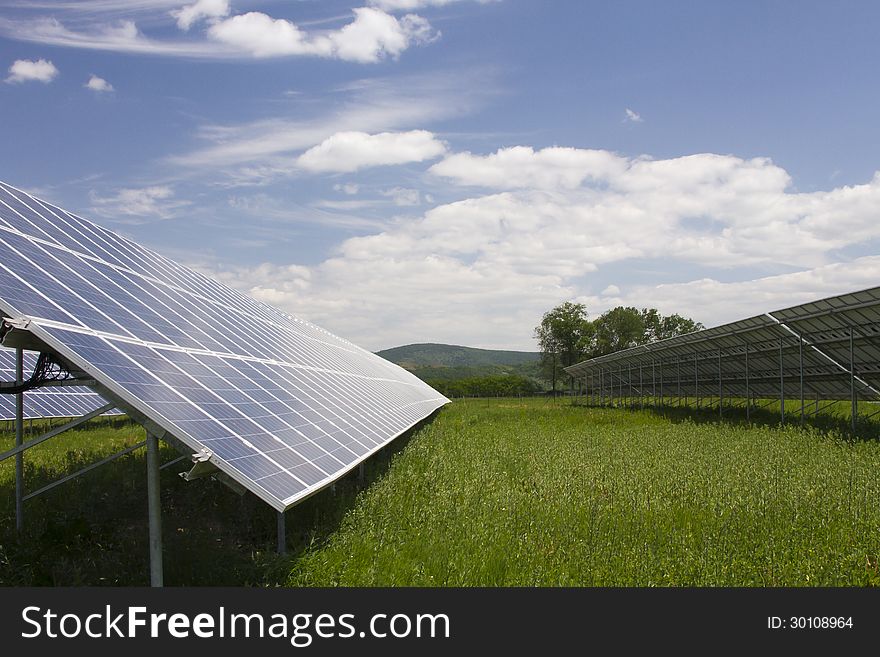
(826,349)
(281,406)
(50,402)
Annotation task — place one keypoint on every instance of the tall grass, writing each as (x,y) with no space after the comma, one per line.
(93,530)
(490,492)
(536,494)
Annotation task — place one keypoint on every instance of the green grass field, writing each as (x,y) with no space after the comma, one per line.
(501,492)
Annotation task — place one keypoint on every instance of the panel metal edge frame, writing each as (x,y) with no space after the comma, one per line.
(344,472)
(168,432)
(153,423)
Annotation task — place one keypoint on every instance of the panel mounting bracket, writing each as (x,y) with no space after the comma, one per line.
(202,466)
(15,334)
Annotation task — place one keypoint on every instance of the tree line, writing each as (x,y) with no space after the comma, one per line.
(567,336)
(498,385)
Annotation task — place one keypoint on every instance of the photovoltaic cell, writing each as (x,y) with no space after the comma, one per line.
(825,349)
(49,402)
(283,406)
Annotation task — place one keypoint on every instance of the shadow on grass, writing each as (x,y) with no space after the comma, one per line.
(93,529)
(832,418)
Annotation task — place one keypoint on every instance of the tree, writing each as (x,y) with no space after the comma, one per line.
(564,335)
(659,327)
(617,329)
(624,327)
(498,385)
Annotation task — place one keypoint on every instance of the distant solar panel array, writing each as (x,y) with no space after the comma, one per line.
(67,401)
(822,350)
(280,405)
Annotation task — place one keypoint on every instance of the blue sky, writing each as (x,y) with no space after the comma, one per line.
(446,170)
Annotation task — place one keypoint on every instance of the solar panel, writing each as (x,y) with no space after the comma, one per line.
(277,403)
(825,349)
(54,402)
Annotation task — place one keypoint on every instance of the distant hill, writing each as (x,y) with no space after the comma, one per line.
(450,355)
(448,362)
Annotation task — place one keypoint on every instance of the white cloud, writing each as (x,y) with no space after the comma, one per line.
(284,213)
(119,36)
(188,15)
(403,197)
(25,70)
(523,167)
(144,203)
(264,36)
(347,188)
(371,36)
(409,5)
(633,117)
(719,302)
(267,147)
(482,270)
(91,8)
(99,85)
(351,151)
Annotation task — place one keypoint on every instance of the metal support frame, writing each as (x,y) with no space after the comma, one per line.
(19,440)
(819,408)
(154,511)
(601,390)
(661,382)
(629,386)
(21,447)
(282,534)
(852,380)
(781,385)
(641,390)
(801,372)
(88,468)
(153,467)
(678,362)
(748,391)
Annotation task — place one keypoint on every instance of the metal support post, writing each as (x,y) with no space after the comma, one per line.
(629,386)
(361,472)
(661,382)
(781,386)
(748,392)
(852,380)
(641,390)
(19,439)
(696,382)
(282,534)
(801,370)
(154,505)
(678,363)
(720,389)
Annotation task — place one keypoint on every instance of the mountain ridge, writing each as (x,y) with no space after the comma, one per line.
(440,364)
(435,354)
